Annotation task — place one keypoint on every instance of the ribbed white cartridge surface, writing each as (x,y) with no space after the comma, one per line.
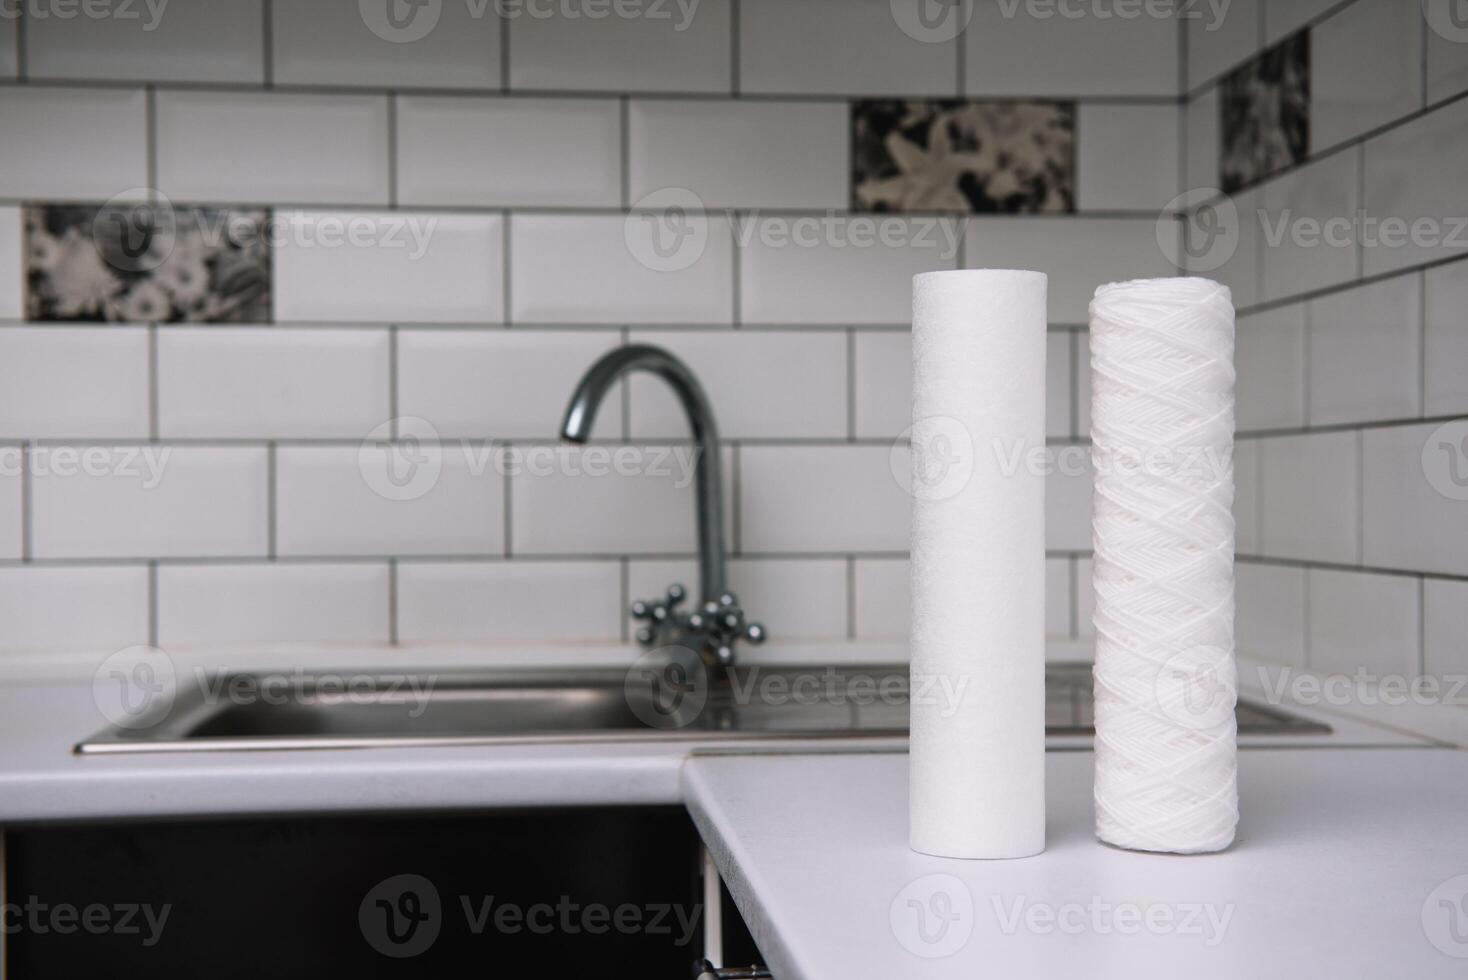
(977,776)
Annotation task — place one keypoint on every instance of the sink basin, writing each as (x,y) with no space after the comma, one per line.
(595,706)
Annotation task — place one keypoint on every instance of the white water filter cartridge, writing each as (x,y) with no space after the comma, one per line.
(1162,429)
(977,762)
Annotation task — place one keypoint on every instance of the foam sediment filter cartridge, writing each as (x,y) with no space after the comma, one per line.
(977,754)
(1162,428)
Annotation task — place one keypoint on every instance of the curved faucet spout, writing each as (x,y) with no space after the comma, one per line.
(581,413)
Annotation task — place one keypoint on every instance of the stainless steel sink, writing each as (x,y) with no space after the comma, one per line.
(594,706)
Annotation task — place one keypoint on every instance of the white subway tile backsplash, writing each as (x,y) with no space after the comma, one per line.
(1445,628)
(608,500)
(1360,621)
(440,45)
(1270,613)
(1201,134)
(501,384)
(457,150)
(1284,17)
(1308,228)
(1083,384)
(324,149)
(822,499)
(12,266)
(48,608)
(524,601)
(283,383)
(1447,54)
(151,501)
(272,603)
(621,269)
(1247,456)
(1127,156)
(883,378)
(740,154)
(12,516)
(1109,49)
(840,47)
(9,47)
(404,267)
(1057,597)
(882,598)
(1231,259)
(1310,507)
(73,382)
(854,269)
(800,390)
(200,41)
(1078,254)
(1417,200)
(1366,352)
(1068,500)
(1058,392)
(684,48)
(1220,38)
(65,143)
(1365,69)
(387,500)
(1269,351)
(1447,340)
(794,599)
(1085,598)
(1416,482)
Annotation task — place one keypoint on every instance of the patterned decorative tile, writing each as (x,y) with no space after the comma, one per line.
(969,156)
(139,263)
(1266,114)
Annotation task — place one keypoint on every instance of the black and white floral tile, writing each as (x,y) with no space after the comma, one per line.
(1014,157)
(1265,114)
(140,263)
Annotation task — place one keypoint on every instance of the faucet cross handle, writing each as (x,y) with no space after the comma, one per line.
(714,625)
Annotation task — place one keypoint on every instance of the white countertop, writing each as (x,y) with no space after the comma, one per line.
(1338,853)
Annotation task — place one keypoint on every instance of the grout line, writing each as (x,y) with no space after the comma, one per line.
(625,579)
(508,485)
(392,383)
(267,41)
(1421,627)
(153,603)
(625,393)
(734,48)
(392,601)
(504,51)
(22,63)
(736,479)
(1308,343)
(1075,384)
(271,493)
(624,157)
(850,385)
(1073,571)
(505,268)
(150,140)
(153,386)
(736,260)
(851,597)
(1306,612)
(1360,496)
(27,507)
(1422,344)
(392,151)
(960,78)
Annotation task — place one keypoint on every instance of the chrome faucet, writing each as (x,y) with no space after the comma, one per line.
(717,622)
